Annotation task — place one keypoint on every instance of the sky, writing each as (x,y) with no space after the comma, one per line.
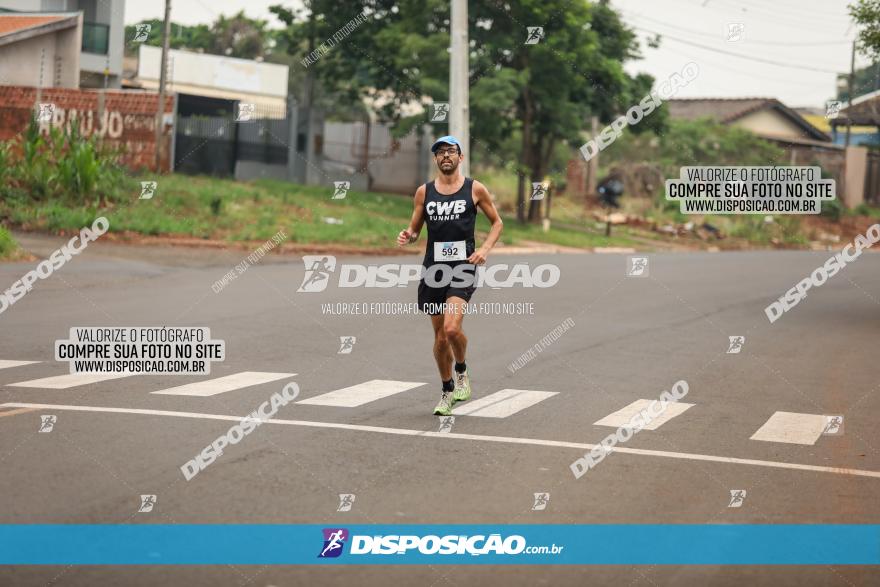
(787,49)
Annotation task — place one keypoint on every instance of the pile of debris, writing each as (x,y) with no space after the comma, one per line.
(703,231)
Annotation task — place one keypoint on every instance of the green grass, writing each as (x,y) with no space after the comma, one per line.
(211,208)
(8,247)
(864,209)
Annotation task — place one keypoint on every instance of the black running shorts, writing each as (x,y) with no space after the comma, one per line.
(431,299)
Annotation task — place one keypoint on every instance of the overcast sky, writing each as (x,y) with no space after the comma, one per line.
(790,49)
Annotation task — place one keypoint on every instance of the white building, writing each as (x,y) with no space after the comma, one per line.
(216,76)
(103,35)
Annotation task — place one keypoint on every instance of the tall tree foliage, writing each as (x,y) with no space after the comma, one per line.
(542,94)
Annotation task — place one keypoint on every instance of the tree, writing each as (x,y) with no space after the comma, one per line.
(236,36)
(866,13)
(541,93)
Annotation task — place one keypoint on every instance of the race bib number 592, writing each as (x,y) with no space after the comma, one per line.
(450,251)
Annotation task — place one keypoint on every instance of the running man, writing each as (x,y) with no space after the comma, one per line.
(449,204)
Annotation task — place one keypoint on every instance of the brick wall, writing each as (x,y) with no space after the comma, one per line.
(123,120)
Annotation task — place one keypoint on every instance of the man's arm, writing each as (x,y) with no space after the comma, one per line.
(410,234)
(485,203)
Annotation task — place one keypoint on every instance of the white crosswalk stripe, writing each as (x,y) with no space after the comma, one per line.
(7,364)
(69,380)
(224,384)
(791,428)
(502,404)
(623,416)
(362,393)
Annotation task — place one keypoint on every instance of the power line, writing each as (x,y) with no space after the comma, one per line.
(821,14)
(798,25)
(738,55)
(751,41)
(746,73)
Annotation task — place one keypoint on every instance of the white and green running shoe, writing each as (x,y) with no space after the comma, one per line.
(444,408)
(462,391)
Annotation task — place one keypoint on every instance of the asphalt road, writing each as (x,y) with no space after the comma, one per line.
(631,339)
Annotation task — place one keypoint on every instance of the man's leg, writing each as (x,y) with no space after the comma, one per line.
(442,351)
(443,356)
(453,318)
(452,321)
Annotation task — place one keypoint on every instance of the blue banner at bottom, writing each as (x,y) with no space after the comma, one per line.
(522,544)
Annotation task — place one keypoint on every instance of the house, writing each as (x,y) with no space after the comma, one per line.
(102,37)
(801,142)
(766,117)
(40,49)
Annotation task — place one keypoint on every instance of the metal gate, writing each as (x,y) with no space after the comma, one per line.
(205,146)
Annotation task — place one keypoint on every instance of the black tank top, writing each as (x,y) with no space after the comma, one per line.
(451,220)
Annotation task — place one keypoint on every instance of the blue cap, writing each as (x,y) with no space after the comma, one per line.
(449,140)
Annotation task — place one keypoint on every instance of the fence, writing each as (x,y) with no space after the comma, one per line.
(264,145)
(122,120)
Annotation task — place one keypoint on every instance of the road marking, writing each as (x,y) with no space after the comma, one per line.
(502,404)
(791,428)
(623,416)
(16,412)
(70,380)
(220,385)
(360,394)
(8,364)
(459,436)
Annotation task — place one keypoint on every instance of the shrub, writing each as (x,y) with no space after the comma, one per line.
(61,164)
(8,246)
